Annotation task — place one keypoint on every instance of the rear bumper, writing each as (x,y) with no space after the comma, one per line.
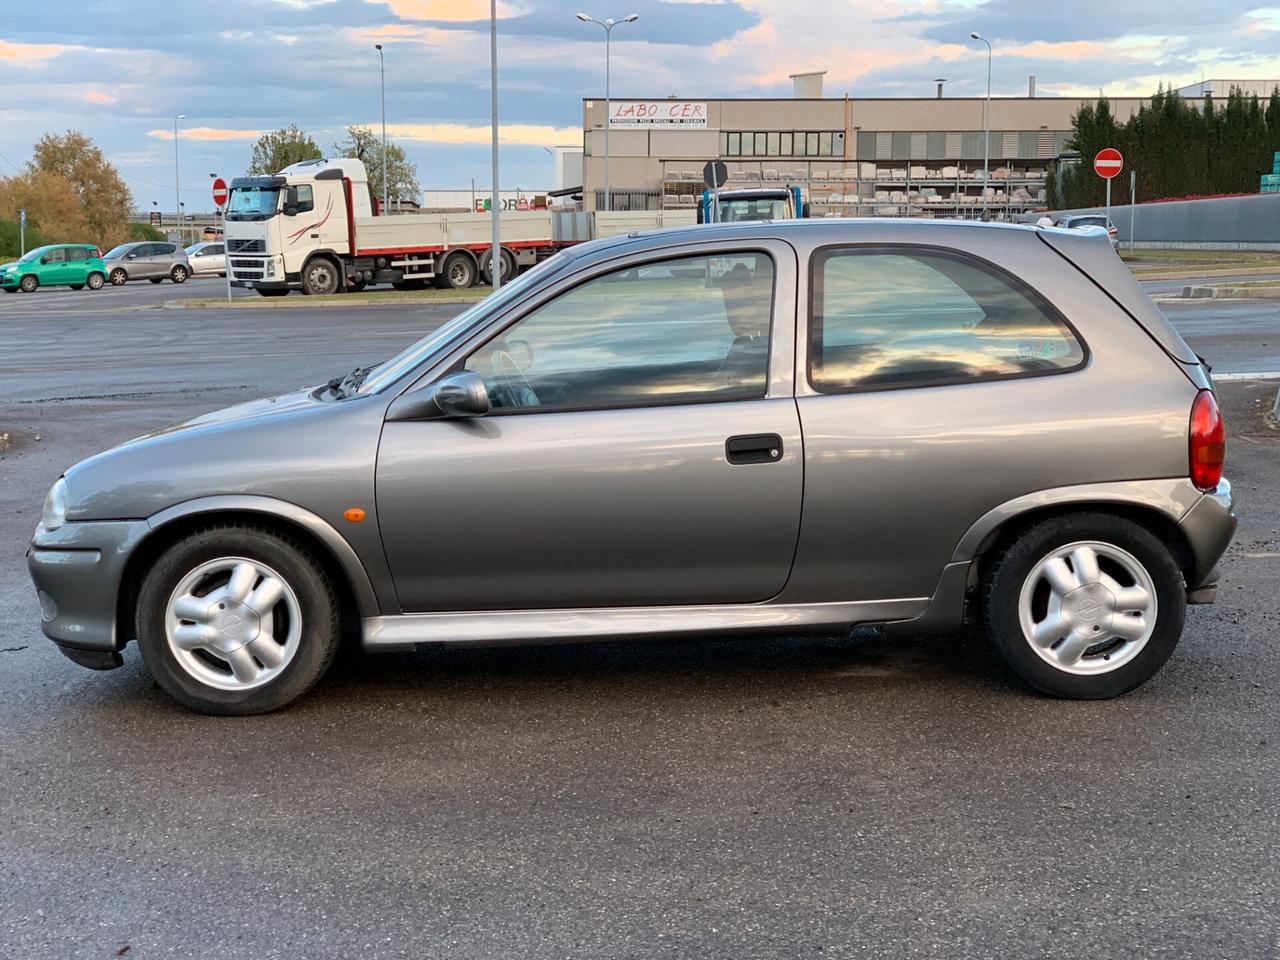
(1209,526)
(77,571)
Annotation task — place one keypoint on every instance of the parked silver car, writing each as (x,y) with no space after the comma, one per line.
(156,261)
(1079,221)
(207,259)
(722,429)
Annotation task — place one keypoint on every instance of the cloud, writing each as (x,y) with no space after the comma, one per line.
(206,133)
(98,97)
(523,134)
(30,53)
(445,10)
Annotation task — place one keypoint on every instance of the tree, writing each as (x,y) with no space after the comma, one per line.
(362,144)
(274,151)
(11,236)
(52,204)
(103,196)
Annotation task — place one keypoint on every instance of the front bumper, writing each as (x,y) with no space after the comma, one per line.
(9,281)
(77,570)
(1209,526)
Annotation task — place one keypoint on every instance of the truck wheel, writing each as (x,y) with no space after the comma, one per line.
(457,273)
(506,261)
(271,292)
(319,277)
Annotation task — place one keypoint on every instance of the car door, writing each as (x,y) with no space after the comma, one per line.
(643,449)
(53,267)
(77,265)
(138,262)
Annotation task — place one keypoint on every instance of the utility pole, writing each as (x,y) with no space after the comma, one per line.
(495,252)
(177,189)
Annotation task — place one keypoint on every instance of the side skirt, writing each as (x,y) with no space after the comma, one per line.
(503,627)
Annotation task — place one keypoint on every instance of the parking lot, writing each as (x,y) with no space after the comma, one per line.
(758,797)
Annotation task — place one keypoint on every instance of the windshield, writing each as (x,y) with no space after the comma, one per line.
(759,208)
(33,254)
(390,371)
(119,251)
(252,203)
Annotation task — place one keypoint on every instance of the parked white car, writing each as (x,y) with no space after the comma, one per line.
(207,259)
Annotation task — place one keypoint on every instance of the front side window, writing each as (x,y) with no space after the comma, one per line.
(680,331)
(885,317)
(306,199)
(56,255)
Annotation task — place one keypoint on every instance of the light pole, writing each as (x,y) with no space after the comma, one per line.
(495,249)
(608,25)
(986,123)
(177,190)
(382,70)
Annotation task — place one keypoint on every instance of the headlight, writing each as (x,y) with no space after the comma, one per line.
(55,506)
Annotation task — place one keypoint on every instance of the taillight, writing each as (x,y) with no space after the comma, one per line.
(1208,445)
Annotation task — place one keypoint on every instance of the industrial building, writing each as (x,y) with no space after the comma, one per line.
(853,156)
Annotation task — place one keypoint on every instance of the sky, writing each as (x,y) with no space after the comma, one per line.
(119,70)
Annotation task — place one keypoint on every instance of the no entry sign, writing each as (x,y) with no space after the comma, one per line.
(1108,163)
(219,192)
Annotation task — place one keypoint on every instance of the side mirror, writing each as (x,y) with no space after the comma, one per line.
(459,395)
(131,256)
(291,202)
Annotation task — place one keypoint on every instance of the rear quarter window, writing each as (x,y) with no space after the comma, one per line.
(895,317)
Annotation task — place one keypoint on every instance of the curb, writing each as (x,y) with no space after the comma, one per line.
(301,302)
(1230,293)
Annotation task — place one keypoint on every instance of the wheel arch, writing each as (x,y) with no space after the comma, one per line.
(356,596)
(1162,523)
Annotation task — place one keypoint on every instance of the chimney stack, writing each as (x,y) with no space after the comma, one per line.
(1031,86)
(807,86)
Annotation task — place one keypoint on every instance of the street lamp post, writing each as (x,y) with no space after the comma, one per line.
(177,189)
(382,70)
(986,123)
(608,25)
(495,247)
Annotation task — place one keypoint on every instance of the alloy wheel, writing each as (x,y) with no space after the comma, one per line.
(1088,608)
(233,623)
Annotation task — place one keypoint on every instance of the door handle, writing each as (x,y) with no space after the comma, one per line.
(754,448)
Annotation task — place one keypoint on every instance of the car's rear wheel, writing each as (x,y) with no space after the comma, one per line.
(29,284)
(237,619)
(179,274)
(1086,606)
(118,277)
(96,281)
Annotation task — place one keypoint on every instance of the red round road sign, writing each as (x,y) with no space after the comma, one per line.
(219,191)
(1108,163)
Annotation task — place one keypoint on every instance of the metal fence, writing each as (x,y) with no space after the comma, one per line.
(1221,223)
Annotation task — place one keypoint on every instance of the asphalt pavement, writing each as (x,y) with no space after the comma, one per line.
(744,798)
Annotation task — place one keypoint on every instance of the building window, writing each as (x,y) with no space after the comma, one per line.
(772,147)
(724,144)
(735,145)
(760,144)
(748,145)
(810,144)
(785,148)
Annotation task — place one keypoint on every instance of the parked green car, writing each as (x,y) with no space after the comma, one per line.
(74,265)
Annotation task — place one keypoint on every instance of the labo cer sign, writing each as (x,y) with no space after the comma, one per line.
(658,113)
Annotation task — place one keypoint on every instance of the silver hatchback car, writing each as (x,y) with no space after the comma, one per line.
(737,428)
(156,261)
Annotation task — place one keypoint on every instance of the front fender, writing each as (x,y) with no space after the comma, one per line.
(337,545)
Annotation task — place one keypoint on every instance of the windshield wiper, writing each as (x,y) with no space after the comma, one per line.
(343,387)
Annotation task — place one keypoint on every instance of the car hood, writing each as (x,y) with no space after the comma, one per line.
(6,266)
(277,447)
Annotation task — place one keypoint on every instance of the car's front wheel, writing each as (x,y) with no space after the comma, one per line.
(118,277)
(1085,606)
(29,284)
(237,619)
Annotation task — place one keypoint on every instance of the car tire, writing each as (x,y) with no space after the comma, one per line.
(199,654)
(29,284)
(179,274)
(118,277)
(96,281)
(1072,579)
(319,277)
